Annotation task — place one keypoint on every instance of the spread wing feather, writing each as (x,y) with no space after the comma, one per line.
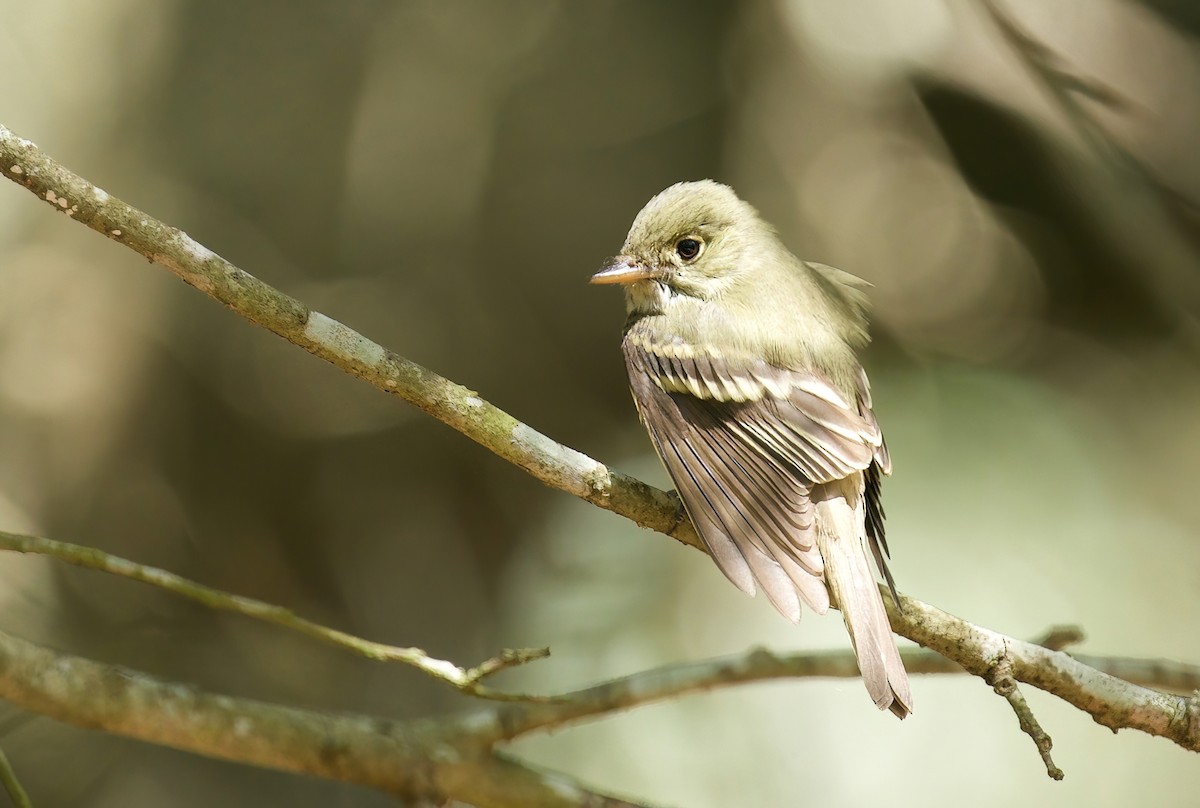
(745,443)
(780,473)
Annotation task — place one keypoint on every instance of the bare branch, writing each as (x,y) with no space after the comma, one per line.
(454,405)
(1002,681)
(466,680)
(1110,701)
(12,786)
(959,645)
(415,759)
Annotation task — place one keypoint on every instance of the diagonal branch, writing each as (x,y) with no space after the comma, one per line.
(456,406)
(418,759)
(465,679)
(12,786)
(1110,701)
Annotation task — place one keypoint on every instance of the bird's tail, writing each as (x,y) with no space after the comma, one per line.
(842,541)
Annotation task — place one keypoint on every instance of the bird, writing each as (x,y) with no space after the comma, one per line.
(742,361)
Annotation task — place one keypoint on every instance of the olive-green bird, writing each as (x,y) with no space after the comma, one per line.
(742,362)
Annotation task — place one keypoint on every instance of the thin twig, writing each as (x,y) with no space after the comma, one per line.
(8,778)
(1133,207)
(1063,84)
(466,680)
(1005,684)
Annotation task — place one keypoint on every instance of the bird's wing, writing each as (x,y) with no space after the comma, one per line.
(876,536)
(745,442)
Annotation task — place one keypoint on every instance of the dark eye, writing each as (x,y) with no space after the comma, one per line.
(688,248)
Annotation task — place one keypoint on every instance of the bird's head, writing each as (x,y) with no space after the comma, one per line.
(691,241)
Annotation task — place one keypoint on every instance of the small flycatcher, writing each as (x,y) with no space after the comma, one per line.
(742,362)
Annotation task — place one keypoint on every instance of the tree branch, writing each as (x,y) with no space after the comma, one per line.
(456,406)
(419,759)
(12,786)
(465,679)
(1110,701)
(446,758)
(1005,685)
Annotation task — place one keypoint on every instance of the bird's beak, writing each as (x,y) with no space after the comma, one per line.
(623,269)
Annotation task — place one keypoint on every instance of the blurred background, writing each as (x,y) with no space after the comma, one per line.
(444,177)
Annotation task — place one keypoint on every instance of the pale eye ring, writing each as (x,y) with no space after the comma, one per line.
(688,248)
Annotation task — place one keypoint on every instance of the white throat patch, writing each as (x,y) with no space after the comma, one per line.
(647,297)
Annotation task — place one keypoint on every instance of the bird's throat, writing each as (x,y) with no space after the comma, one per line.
(647,297)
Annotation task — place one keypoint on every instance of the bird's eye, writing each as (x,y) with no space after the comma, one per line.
(687,248)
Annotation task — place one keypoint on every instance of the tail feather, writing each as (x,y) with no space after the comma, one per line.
(852,587)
